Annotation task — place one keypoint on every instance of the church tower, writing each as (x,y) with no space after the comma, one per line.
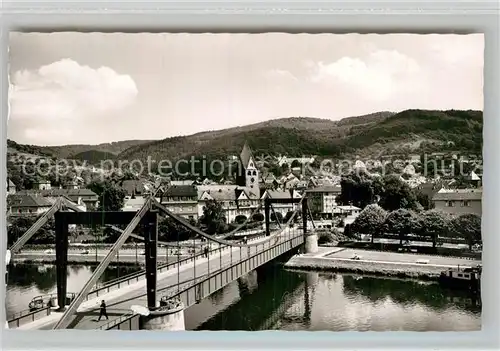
(249,176)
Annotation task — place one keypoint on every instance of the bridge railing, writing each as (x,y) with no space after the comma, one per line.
(25,317)
(266,246)
(141,275)
(113,324)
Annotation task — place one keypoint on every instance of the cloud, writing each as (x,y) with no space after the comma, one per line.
(47,135)
(280,75)
(66,90)
(378,76)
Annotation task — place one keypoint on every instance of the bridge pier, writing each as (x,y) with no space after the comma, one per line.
(62,236)
(311,242)
(165,318)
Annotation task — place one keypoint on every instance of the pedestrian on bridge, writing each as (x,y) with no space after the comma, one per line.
(206,251)
(102,311)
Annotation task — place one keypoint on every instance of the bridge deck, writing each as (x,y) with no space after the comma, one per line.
(120,301)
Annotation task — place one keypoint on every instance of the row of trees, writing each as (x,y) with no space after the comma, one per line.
(361,189)
(432,224)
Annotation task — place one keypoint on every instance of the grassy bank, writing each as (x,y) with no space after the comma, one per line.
(392,247)
(399,270)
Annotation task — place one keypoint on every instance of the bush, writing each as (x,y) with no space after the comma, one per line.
(325,237)
(240,219)
(258,217)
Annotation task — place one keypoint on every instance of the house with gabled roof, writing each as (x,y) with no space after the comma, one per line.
(27,204)
(283,208)
(182,200)
(87,196)
(235,200)
(459,201)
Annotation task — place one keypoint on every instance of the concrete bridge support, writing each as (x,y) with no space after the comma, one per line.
(165,318)
(311,243)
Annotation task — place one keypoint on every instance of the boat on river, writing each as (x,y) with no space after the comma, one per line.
(462,278)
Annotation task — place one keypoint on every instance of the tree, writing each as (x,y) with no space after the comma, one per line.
(240,219)
(397,195)
(424,200)
(277,215)
(402,222)
(19,226)
(111,196)
(358,189)
(213,219)
(289,215)
(258,217)
(434,223)
(467,226)
(369,221)
(170,230)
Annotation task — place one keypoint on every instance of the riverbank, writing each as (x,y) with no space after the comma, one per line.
(122,259)
(401,265)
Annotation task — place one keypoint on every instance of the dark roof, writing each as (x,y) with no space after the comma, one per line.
(280,194)
(326,189)
(132,186)
(430,188)
(246,155)
(181,190)
(459,195)
(28,201)
(59,192)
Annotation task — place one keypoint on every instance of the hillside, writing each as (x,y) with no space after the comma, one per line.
(371,135)
(76,151)
(366,136)
(94,156)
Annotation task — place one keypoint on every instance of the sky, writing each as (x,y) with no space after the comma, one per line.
(90,88)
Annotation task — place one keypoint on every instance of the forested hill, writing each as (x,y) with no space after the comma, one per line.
(366,136)
(371,135)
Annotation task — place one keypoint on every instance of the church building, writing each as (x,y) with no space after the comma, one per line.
(249,176)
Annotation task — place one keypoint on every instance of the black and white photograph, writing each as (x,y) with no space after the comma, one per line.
(244,182)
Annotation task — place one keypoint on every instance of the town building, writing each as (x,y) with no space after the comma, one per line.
(346,213)
(235,200)
(282,208)
(27,204)
(87,196)
(458,201)
(11,187)
(42,185)
(136,188)
(249,175)
(322,200)
(182,200)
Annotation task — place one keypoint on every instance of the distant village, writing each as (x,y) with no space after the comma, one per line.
(241,196)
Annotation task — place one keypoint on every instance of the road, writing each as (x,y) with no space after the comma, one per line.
(120,301)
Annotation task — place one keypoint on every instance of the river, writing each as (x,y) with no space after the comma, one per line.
(277,299)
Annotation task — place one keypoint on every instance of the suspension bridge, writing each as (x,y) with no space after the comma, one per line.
(156,297)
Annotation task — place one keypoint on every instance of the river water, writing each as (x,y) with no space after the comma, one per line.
(277,299)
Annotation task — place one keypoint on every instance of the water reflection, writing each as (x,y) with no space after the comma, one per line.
(275,298)
(25,281)
(409,292)
(256,307)
(294,300)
